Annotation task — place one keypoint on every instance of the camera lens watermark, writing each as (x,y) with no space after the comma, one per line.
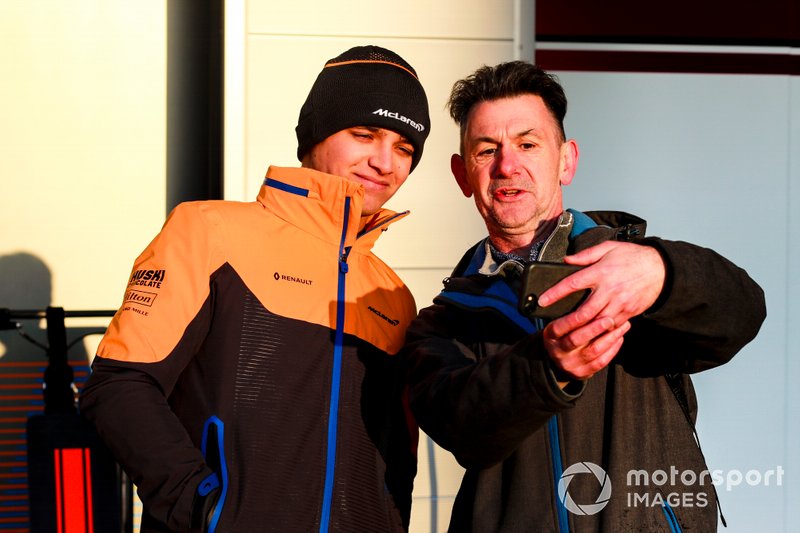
(602,498)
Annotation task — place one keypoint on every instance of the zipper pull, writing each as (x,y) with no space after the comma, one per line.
(343,266)
(628,233)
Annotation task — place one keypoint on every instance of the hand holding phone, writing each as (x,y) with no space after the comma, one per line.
(539,276)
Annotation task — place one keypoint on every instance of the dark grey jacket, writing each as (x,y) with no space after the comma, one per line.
(616,453)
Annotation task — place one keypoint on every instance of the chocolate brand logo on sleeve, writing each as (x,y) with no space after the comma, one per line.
(147,278)
(140,279)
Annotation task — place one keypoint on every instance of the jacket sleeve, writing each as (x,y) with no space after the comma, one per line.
(163,319)
(480,410)
(131,414)
(708,311)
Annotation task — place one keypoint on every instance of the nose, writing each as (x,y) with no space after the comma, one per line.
(506,162)
(382,156)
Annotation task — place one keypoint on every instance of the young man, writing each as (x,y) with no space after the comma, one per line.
(249,380)
(526,404)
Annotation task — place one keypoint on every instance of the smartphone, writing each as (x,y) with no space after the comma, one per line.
(537,277)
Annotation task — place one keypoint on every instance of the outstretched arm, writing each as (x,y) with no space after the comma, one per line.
(692,300)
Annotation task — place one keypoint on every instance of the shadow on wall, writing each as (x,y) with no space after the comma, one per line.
(40,429)
(26,285)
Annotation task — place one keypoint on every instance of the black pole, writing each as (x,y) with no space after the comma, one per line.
(59,392)
(195,83)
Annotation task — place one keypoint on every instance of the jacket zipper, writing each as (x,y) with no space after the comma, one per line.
(336,378)
(382,224)
(562,520)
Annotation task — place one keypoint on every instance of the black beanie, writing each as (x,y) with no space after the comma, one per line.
(365,86)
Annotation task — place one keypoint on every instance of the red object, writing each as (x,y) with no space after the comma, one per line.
(73,472)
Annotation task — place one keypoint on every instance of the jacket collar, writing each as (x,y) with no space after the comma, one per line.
(570,224)
(479,283)
(325,205)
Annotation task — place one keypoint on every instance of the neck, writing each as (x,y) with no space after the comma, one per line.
(520,245)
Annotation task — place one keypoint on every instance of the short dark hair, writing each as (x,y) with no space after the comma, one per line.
(506,80)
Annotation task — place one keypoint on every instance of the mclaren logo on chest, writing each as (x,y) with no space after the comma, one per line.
(293,279)
(386,318)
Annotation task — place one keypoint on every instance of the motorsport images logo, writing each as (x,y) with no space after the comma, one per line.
(584,468)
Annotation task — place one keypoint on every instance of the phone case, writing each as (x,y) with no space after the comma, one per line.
(537,277)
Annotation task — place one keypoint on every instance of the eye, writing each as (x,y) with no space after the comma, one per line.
(361,134)
(527,145)
(407,150)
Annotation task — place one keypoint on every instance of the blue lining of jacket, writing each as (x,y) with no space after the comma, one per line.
(499,297)
(672,520)
(581,223)
(270,182)
(558,471)
(213,481)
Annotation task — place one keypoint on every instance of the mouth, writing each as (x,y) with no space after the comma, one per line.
(370,182)
(507,194)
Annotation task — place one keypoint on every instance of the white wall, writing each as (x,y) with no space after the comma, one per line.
(82,146)
(82,157)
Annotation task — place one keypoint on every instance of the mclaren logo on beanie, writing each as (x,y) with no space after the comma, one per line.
(397,116)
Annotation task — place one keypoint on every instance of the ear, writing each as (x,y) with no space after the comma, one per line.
(568,163)
(459,170)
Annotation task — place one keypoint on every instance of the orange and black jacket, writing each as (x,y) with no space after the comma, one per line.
(249,380)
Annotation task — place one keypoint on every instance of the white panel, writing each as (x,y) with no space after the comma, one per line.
(82,147)
(435,488)
(235,176)
(704,158)
(280,72)
(448,19)
(524,30)
(424,283)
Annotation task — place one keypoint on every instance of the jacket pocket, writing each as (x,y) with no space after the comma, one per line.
(213,449)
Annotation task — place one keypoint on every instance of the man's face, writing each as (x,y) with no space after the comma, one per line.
(377,158)
(514,162)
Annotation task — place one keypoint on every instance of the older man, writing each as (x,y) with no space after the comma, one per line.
(526,404)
